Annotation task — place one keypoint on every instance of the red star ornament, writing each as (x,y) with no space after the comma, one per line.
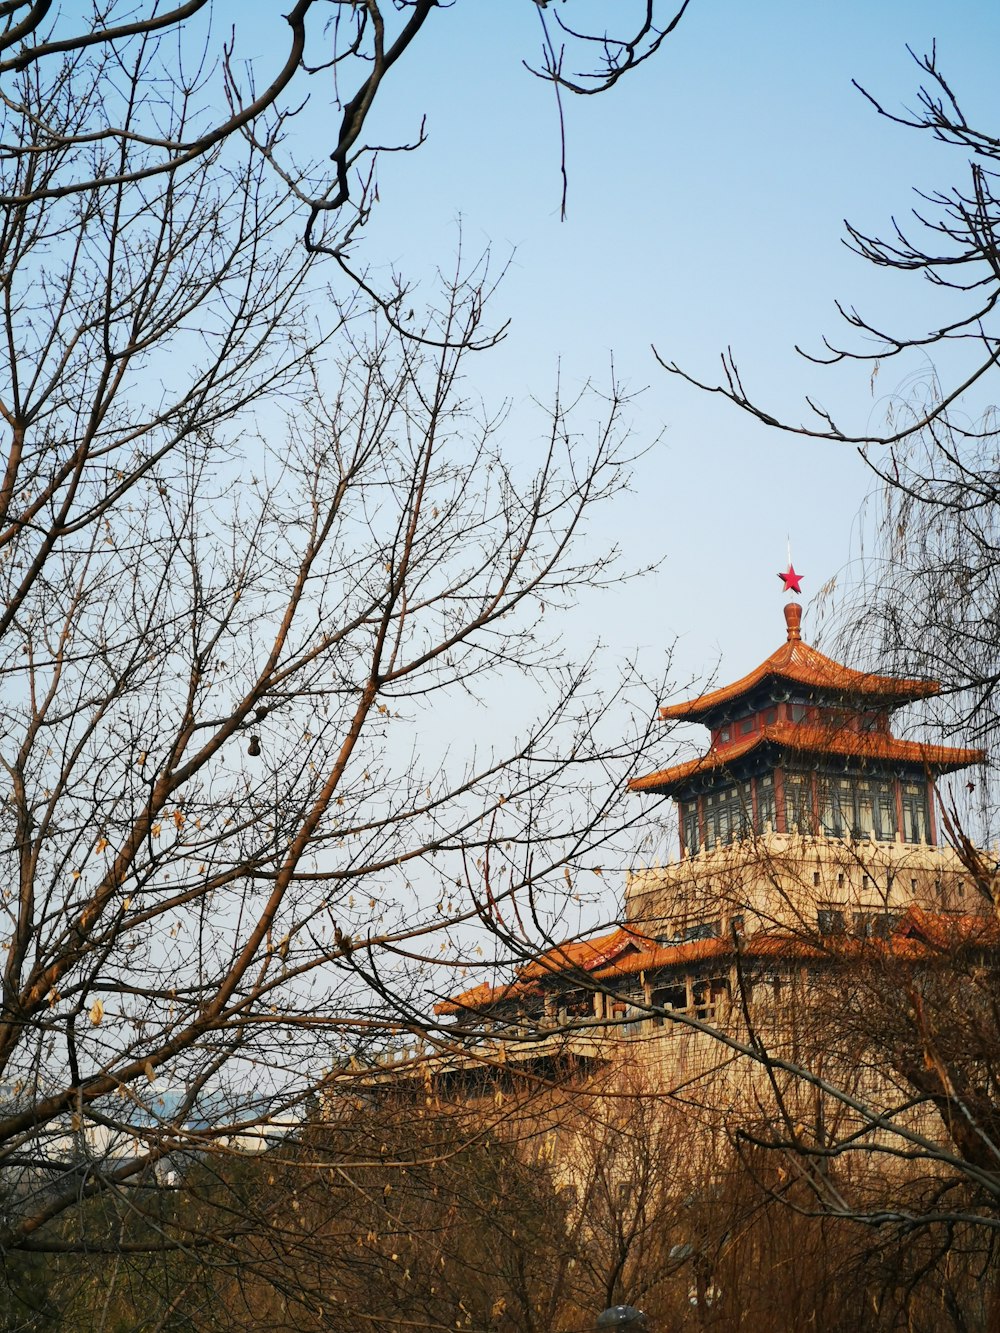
(792,581)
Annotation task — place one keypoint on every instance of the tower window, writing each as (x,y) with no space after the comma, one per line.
(875,925)
(766,810)
(728,814)
(857,808)
(798,803)
(916,820)
(702,930)
(830,921)
(689,826)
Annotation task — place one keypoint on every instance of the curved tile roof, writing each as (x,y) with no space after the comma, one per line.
(800,664)
(575,955)
(805,738)
(919,936)
(584,954)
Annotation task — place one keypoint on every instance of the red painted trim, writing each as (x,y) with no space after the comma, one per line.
(932,813)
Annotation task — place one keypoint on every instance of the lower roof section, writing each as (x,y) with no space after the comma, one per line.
(919,936)
(799,739)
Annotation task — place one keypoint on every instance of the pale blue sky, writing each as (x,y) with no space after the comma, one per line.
(707,194)
(706,201)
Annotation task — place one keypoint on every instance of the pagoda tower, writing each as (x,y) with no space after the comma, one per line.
(805,810)
(806,827)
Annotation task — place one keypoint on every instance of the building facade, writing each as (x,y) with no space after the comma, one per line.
(810,842)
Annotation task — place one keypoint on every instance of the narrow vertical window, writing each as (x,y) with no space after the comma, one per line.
(864,810)
(744,794)
(885,810)
(916,821)
(689,825)
(835,807)
(711,822)
(766,809)
(798,803)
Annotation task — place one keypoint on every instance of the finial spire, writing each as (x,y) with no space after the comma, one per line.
(793,619)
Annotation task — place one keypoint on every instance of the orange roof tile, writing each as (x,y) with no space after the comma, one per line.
(583,954)
(663,955)
(811,739)
(801,664)
(762,945)
(571,955)
(947,930)
(920,935)
(479,997)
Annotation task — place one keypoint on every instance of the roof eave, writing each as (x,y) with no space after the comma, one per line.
(900,693)
(936,758)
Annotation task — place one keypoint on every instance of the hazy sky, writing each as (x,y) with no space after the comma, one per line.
(706,198)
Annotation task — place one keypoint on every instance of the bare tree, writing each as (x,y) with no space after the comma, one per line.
(929,603)
(514,1211)
(952,241)
(195,56)
(929,600)
(248,575)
